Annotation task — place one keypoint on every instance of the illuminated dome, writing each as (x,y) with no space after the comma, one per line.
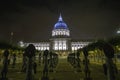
(60,29)
(60,24)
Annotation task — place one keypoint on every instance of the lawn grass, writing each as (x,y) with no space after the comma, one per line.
(63,71)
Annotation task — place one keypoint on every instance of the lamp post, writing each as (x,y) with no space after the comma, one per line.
(11,37)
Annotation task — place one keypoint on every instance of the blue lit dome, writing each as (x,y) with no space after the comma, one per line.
(60,24)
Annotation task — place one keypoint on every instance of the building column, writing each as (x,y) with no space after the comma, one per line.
(69,45)
(51,44)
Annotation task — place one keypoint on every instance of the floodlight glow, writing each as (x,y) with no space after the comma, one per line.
(118,32)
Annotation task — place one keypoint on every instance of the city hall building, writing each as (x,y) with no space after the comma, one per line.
(60,41)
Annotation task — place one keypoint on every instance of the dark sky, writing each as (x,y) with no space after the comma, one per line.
(33,20)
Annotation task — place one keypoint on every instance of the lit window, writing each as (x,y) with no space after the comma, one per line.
(38,48)
(53,33)
(73,49)
(44,48)
(41,48)
(47,48)
(64,47)
(63,32)
(56,32)
(59,32)
(55,45)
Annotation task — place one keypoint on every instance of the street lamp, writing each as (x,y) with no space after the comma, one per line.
(11,37)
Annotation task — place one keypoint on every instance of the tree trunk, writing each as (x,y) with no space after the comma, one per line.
(29,71)
(87,71)
(110,69)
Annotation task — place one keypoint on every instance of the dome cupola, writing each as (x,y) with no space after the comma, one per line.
(60,24)
(60,29)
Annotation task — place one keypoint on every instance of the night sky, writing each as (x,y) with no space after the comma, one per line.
(33,20)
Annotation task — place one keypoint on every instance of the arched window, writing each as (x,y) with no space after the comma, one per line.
(53,33)
(64,45)
(63,32)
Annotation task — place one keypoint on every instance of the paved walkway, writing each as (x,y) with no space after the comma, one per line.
(65,71)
